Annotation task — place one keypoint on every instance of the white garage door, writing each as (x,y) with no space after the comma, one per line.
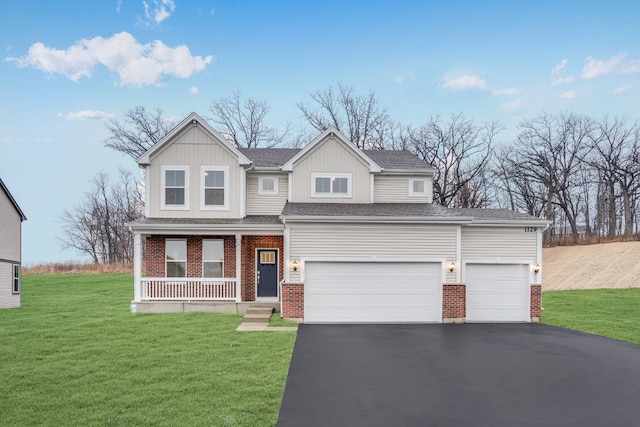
(378,292)
(497,293)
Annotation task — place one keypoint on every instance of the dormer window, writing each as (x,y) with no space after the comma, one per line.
(175,189)
(331,185)
(268,186)
(214,194)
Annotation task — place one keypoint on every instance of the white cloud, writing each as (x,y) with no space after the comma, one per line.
(404,77)
(615,65)
(193,90)
(75,116)
(157,11)
(464,83)
(622,89)
(136,64)
(556,79)
(118,5)
(513,105)
(570,94)
(510,91)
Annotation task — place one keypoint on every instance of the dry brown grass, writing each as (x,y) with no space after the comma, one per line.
(589,240)
(70,267)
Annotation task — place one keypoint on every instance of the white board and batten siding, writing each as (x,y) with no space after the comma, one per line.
(10,248)
(331,157)
(194,148)
(271,204)
(496,263)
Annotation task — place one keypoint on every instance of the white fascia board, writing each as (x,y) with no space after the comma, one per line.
(379,219)
(227,229)
(191,120)
(509,223)
(412,172)
(332,132)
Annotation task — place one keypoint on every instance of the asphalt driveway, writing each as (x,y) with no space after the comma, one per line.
(460,375)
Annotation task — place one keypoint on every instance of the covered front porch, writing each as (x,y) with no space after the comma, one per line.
(207,265)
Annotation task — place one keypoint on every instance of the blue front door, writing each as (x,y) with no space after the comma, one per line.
(267,275)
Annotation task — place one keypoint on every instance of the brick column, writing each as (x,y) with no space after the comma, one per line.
(454,302)
(536,302)
(293,301)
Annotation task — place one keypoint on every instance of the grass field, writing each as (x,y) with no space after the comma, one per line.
(613,313)
(74,355)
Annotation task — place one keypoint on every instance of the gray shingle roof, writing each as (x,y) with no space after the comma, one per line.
(386,159)
(407,210)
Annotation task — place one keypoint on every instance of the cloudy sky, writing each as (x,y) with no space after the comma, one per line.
(68,66)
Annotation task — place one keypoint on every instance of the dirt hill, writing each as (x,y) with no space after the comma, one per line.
(606,265)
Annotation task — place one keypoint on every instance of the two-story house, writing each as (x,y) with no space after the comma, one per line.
(327,233)
(11,217)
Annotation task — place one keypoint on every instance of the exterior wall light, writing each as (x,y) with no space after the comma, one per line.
(536,268)
(452,267)
(294,265)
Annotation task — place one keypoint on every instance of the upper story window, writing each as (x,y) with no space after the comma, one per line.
(418,187)
(214,194)
(16,279)
(175,187)
(176,257)
(268,186)
(331,185)
(212,258)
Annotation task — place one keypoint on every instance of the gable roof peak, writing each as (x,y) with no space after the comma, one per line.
(23,217)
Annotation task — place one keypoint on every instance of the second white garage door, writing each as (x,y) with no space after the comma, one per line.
(372,292)
(497,292)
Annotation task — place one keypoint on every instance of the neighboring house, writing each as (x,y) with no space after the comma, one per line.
(11,217)
(329,233)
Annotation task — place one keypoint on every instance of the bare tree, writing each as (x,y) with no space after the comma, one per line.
(96,226)
(243,121)
(359,117)
(141,130)
(460,150)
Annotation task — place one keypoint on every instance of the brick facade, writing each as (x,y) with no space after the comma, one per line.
(454,302)
(155,257)
(536,303)
(293,301)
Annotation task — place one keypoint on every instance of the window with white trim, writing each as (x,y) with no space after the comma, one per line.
(331,185)
(176,258)
(418,187)
(268,186)
(214,194)
(15,288)
(212,258)
(175,187)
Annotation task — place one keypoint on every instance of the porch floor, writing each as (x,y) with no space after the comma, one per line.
(200,306)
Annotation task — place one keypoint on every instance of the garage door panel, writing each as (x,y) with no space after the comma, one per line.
(497,292)
(372,292)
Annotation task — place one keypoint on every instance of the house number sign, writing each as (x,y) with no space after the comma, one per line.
(530,229)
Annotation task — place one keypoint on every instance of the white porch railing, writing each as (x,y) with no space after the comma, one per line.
(191,289)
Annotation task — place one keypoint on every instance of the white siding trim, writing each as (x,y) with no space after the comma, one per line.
(290,186)
(263,192)
(423,194)
(537,278)
(287,253)
(147,190)
(458,252)
(372,193)
(243,191)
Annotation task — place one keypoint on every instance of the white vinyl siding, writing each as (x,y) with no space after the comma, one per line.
(497,292)
(258,204)
(8,299)
(368,240)
(10,228)
(508,243)
(331,157)
(380,292)
(395,189)
(195,148)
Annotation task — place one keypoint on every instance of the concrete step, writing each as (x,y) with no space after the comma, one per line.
(256,318)
(260,310)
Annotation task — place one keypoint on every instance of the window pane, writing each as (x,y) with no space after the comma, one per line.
(176,250)
(340,185)
(418,186)
(212,250)
(176,269)
(212,269)
(323,185)
(267,184)
(174,196)
(174,178)
(214,197)
(214,179)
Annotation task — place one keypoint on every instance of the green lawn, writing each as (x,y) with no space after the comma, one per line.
(613,313)
(75,355)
